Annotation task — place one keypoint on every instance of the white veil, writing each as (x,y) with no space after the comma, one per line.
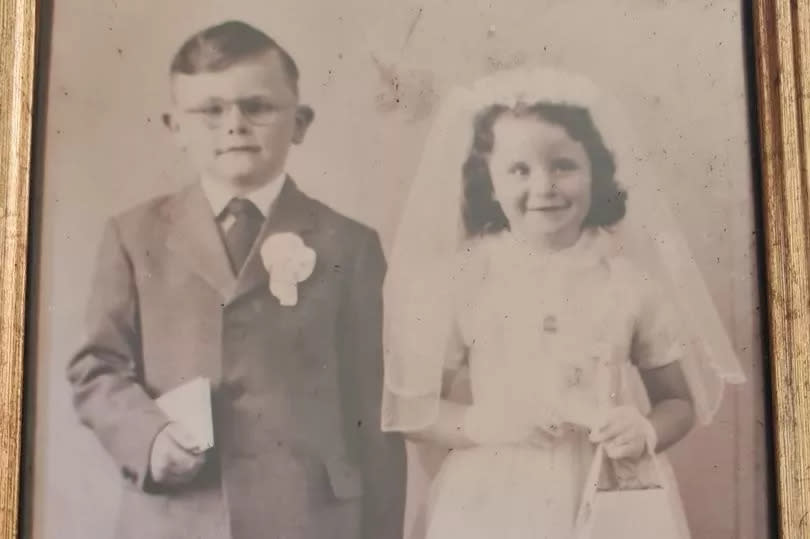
(419,320)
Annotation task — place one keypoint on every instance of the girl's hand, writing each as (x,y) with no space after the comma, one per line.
(537,427)
(547,426)
(484,425)
(550,423)
(625,433)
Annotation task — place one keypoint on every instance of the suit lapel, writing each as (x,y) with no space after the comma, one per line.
(292,212)
(195,238)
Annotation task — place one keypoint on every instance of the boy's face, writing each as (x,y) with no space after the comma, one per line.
(237,124)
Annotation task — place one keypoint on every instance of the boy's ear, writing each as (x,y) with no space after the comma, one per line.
(303,118)
(170,122)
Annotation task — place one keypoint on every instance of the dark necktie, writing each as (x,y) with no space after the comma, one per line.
(240,236)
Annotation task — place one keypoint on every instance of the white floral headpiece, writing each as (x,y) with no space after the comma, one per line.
(522,86)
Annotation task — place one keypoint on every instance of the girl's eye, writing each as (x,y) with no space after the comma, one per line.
(563,164)
(519,169)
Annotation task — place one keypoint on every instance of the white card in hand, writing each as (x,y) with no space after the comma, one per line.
(190,405)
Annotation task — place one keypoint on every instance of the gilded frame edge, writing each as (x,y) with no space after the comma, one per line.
(18,31)
(782,45)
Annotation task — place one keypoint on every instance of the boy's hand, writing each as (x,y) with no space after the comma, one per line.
(176,456)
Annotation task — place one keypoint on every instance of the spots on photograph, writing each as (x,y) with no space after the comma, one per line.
(410,91)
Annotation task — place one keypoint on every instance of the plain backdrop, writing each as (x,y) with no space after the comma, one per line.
(678,67)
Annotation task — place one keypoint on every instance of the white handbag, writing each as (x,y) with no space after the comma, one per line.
(640,511)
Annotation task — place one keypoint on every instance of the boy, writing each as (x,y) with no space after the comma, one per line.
(293,352)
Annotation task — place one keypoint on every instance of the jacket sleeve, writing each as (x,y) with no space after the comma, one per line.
(106,374)
(381,456)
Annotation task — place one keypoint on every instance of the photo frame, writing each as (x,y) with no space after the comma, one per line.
(781,54)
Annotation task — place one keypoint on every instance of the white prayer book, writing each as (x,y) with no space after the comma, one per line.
(190,405)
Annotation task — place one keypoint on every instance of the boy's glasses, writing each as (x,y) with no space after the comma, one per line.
(256,111)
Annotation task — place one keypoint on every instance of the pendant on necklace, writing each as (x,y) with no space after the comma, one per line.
(550,324)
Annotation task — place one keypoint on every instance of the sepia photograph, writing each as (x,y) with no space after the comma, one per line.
(397,270)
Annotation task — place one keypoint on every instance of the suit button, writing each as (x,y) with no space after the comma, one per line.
(129,474)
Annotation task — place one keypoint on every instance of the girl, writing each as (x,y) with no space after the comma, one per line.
(567,344)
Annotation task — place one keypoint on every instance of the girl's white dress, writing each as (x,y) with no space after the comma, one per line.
(561,332)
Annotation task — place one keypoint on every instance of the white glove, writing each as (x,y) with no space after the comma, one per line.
(485,425)
(625,433)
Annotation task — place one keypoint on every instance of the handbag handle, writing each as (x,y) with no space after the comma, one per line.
(583,517)
(592,482)
(609,382)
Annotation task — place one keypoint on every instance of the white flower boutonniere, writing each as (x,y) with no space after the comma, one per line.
(289,261)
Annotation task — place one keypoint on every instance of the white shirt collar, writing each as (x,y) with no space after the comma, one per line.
(219,194)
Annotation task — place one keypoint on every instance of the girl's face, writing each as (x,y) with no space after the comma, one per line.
(541,178)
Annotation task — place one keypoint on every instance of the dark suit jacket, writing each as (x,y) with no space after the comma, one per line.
(296,390)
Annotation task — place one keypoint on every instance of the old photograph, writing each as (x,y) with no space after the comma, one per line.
(397,270)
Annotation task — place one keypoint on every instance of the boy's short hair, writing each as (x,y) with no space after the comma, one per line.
(219,47)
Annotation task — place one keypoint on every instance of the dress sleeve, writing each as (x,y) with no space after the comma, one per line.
(657,335)
(422,343)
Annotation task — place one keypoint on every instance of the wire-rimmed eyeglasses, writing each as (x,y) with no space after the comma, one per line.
(256,110)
